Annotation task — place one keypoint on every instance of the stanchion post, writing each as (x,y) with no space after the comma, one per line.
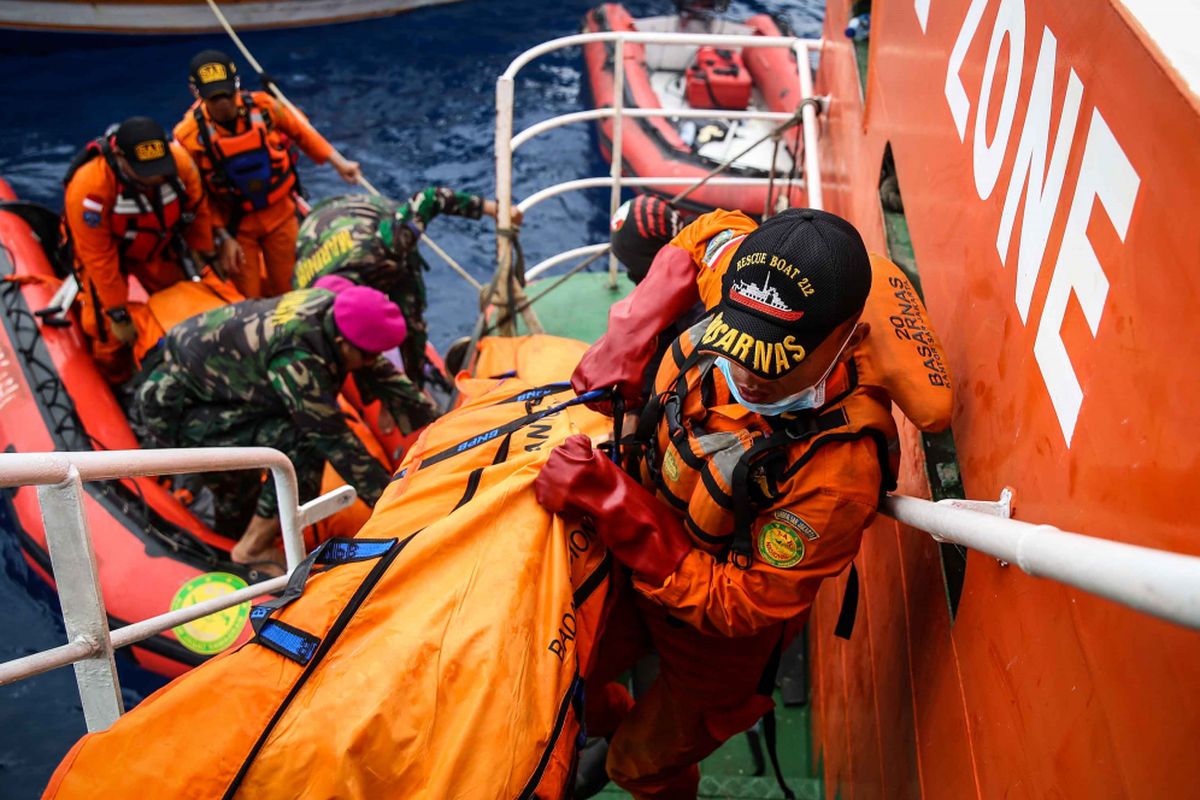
(618,105)
(75,574)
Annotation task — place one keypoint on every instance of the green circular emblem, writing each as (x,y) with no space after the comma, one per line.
(780,545)
(212,634)
(671,466)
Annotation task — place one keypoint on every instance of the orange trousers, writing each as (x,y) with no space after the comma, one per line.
(709,688)
(269,243)
(114,359)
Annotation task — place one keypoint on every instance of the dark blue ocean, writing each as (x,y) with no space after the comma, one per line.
(411,97)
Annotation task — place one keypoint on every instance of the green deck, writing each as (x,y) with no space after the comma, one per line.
(579,309)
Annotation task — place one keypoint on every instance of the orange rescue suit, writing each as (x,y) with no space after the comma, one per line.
(263,217)
(116,231)
(773,508)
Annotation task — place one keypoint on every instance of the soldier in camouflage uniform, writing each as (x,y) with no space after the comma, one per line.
(267,373)
(373,242)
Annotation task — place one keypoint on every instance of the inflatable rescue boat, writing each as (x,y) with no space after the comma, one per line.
(755,79)
(153,553)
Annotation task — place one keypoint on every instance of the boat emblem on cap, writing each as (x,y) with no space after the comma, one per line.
(764,299)
(210,73)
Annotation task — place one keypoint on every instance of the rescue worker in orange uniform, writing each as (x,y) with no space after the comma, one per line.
(134,204)
(761,460)
(242,142)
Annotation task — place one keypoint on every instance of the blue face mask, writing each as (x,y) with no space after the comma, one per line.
(812,397)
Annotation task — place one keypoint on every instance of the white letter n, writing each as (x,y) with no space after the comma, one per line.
(1041,198)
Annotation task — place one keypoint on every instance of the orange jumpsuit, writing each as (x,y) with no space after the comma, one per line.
(93,203)
(719,627)
(267,235)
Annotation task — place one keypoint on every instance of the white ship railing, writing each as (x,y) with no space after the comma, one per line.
(1158,582)
(59,478)
(507,142)
(1163,584)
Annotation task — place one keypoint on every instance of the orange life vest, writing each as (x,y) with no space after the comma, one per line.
(256,166)
(143,224)
(714,478)
(717,478)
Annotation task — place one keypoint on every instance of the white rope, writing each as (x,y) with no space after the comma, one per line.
(362,180)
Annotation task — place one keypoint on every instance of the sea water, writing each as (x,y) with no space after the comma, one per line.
(412,98)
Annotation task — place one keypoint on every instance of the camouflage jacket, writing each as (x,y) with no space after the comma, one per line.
(278,358)
(371,240)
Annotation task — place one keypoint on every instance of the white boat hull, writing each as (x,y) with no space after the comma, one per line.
(192,16)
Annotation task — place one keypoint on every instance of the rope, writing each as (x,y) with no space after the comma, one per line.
(559,282)
(771,181)
(278,94)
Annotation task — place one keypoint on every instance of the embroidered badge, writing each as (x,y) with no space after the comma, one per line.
(797,523)
(671,466)
(780,545)
(714,247)
(209,73)
(150,150)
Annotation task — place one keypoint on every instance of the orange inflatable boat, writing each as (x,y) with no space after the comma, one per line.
(153,553)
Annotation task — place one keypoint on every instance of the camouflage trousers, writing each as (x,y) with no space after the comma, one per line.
(176,425)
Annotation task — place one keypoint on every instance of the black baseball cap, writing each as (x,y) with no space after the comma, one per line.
(212,73)
(792,281)
(143,142)
(640,228)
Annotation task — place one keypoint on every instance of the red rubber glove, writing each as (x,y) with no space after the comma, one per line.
(641,532)
(620,357)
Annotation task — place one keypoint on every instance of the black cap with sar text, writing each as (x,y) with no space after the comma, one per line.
(212,73)
(792,281)
(143,142)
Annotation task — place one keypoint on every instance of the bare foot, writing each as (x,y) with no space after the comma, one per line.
(258,547)
(270,563)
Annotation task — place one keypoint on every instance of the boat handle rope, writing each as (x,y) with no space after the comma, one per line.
(278,94)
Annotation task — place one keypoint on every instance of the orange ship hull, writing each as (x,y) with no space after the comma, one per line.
(1048,162)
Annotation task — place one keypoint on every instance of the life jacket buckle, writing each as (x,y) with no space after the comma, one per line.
(740,559)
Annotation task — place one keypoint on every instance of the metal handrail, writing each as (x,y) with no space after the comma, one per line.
(506,143)
(1158,582)
(59,477)
(590,183)
(562,120)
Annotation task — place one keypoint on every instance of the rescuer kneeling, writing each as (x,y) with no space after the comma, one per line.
(267,373)
(372,241)
(760,459)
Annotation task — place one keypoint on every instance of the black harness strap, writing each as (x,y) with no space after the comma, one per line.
(849,612)
(785,431)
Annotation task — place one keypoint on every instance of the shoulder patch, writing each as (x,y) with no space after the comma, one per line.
(780,545)
(718,244)
(797,523)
